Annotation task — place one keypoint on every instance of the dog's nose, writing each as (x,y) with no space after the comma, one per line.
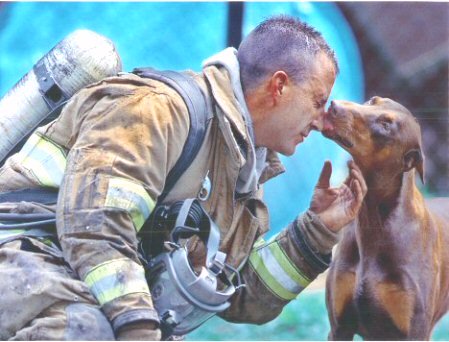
(328,126)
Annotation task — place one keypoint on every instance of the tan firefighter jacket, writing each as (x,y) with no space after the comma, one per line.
(109,153)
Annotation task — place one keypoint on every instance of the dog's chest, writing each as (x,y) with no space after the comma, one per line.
(383,306)
(387,273)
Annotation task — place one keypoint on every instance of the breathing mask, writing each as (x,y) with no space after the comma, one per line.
(183,297)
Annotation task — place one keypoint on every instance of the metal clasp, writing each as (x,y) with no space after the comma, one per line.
(206,187)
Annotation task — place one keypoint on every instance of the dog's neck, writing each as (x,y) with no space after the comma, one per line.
(383,187)
(380,217)
(386,187)
(387,190)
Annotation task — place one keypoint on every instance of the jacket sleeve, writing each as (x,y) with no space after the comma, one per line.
(279,269)
(128,139)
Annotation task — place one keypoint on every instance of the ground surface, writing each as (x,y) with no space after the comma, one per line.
(303,319)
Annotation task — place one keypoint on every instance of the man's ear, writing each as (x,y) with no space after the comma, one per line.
(279,80)
(414,159)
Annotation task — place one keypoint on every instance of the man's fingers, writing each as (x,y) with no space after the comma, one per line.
(348,179)
(357,174)
(355,166)
(358,196)
(325,176)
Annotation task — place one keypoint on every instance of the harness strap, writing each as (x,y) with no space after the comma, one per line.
(196,104)
(55,99)
(34,224)
(27,225)
(52,93)
(7,235)
(40,195)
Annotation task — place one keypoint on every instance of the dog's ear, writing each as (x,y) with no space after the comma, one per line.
(414,159)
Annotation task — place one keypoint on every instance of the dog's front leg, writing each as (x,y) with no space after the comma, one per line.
(340,306)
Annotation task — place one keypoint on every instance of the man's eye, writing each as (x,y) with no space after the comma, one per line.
(319,104)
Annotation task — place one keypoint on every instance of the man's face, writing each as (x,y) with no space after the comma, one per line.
(299,109)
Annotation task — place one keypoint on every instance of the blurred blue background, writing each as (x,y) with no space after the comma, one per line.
(179,36)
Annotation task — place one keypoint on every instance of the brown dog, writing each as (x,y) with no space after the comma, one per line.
(390,276)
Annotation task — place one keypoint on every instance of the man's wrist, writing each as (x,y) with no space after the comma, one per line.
(135,316)
(318,235)
(313,240)
(139,331)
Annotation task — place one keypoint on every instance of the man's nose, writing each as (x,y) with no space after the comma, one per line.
(327,120)
(318,123)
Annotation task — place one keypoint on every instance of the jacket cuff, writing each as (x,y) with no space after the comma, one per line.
(134,307)
(139,315)
(121,289)
(314,240)
(320,238)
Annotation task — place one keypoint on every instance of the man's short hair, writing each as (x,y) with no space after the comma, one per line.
(280,43)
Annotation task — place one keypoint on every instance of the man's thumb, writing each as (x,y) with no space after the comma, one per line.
(325,176)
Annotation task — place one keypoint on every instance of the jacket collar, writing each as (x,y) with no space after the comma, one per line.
(274,167)
(221,87)
(219,81)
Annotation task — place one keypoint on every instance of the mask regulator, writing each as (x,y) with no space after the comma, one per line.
(183,297)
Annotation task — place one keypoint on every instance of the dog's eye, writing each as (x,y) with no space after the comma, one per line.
(385,123)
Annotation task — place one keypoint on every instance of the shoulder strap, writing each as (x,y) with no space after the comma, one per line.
(195,101)
(54,97)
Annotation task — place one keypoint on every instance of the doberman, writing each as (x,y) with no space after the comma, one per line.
(390,276)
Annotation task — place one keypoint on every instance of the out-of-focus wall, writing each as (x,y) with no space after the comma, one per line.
(405,53)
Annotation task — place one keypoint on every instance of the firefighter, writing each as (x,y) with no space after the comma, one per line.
(108,155)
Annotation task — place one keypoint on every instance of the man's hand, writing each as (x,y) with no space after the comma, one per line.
(336,207)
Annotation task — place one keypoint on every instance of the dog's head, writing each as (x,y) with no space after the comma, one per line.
(378,134)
